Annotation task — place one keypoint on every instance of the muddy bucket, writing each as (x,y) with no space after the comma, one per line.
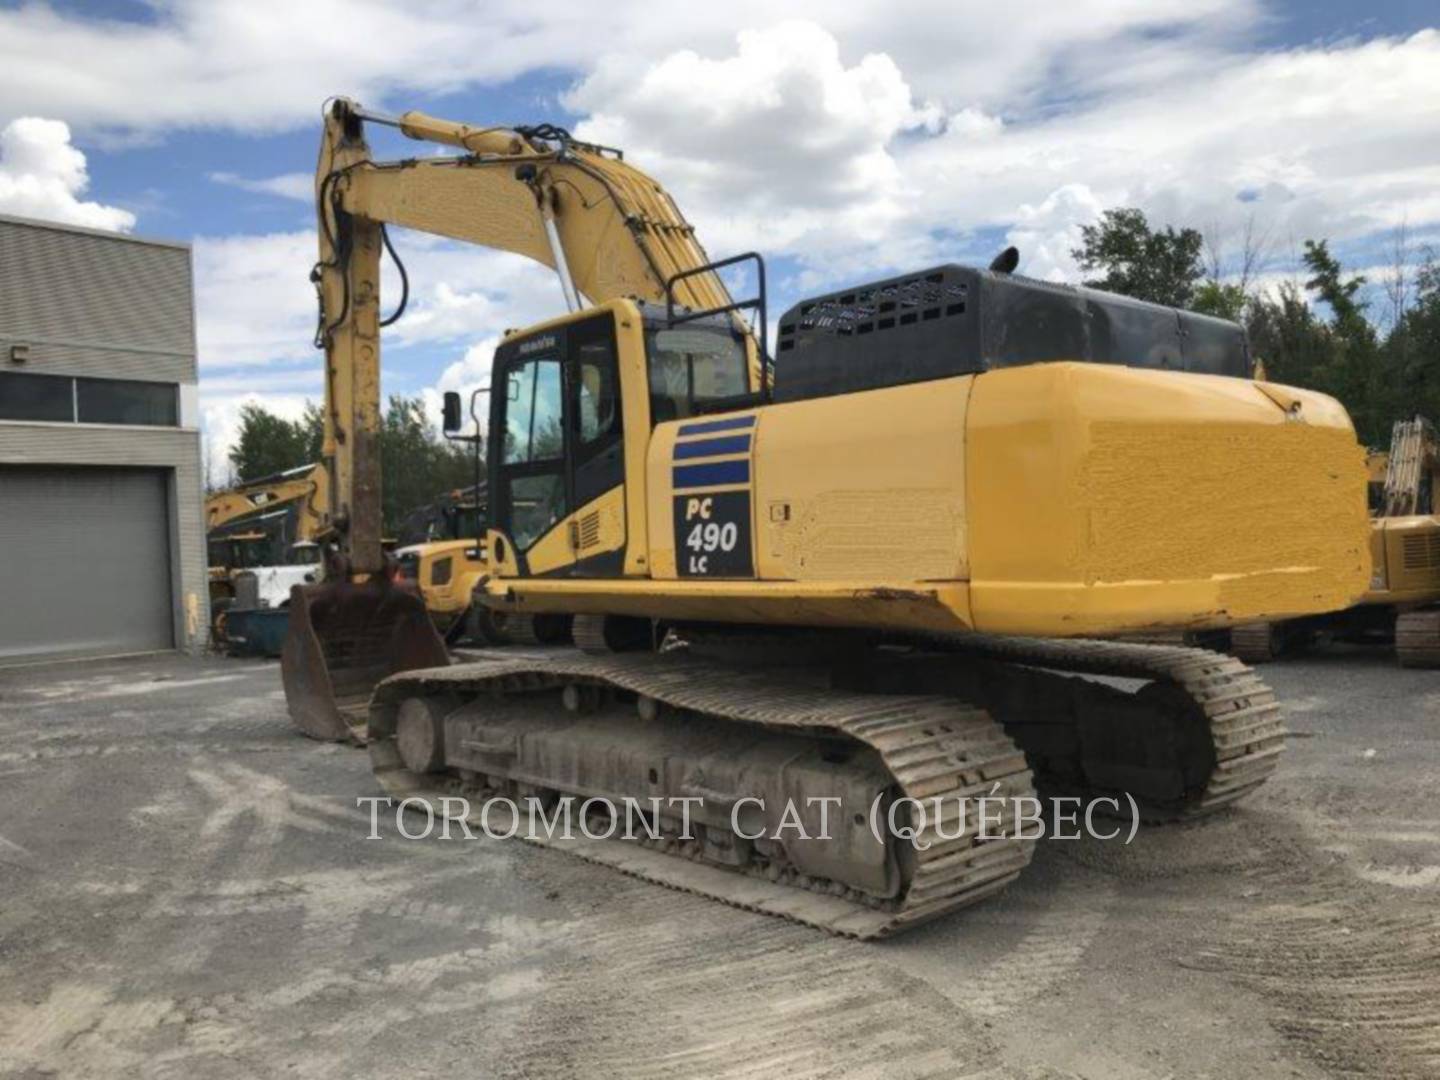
(343,639)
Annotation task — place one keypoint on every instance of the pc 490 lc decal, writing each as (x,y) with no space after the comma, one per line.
(712,528)
(712,535)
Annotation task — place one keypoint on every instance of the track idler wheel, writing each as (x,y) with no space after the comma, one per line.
(343,638)
(420,734)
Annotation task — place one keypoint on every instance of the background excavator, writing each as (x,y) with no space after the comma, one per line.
(1402,604)
(265,528)
(262,541)
(872,563)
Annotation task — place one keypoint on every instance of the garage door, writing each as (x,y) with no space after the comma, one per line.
(84,561)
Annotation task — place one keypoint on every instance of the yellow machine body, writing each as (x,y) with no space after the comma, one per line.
(446,573)
(1400,603)
(1405,560)
(307,485)
(1058,499)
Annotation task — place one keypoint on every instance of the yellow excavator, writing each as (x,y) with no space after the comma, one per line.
(242,535)
(269,493)
(1402,604)
(827,591)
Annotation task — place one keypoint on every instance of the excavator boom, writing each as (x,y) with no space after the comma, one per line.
(267,493)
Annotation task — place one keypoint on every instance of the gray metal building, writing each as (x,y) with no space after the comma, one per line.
(102,545)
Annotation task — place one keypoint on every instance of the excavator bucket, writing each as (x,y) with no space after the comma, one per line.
(344,637)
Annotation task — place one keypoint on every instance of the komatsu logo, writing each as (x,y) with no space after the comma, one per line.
(537,344)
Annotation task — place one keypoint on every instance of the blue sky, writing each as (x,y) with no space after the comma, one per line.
(846,140)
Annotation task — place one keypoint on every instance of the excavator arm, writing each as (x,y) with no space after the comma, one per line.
(604,227)
(269,493)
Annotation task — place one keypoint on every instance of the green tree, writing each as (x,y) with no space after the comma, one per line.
(1413,346)
(313,423)
(1222,299)
(417,465)
(1286,335)
(1163,267)
(1355,369)
(267,444)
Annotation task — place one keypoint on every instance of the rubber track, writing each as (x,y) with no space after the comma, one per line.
(1244,718)
(933,746)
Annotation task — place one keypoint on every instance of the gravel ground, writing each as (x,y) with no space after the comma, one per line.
(186,890)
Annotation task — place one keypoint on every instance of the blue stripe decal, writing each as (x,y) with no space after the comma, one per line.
(732,424)
(715,472)
(729,444)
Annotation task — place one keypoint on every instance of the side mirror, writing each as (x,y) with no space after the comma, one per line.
(452,411)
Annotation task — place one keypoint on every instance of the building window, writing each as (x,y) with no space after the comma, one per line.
(36,397)
(122,401)
(90,401)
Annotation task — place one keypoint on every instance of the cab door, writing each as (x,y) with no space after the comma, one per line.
(557,450)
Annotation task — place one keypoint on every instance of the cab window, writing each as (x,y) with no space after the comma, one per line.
(534,429)
(690,367)
(535,436)
(597,395)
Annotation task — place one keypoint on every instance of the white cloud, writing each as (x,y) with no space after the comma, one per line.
(257,317)
(257,306)
(1046,234)
(266,65)
(43,176)
(785,143)
(295,185)
(781,145)
(253,298)
(1337,141)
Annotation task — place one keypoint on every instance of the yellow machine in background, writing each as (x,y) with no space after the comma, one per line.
(442,555)
(1402,603)
(1377,464)
(446,573)
(870,561)
(448,567)
(307,483)
(256,524)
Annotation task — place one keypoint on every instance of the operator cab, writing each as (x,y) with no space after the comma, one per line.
(558,418)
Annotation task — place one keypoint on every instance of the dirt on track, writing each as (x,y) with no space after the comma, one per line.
(186,889)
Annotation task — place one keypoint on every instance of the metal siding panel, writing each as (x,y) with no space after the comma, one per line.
(93,545)
(92,291)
